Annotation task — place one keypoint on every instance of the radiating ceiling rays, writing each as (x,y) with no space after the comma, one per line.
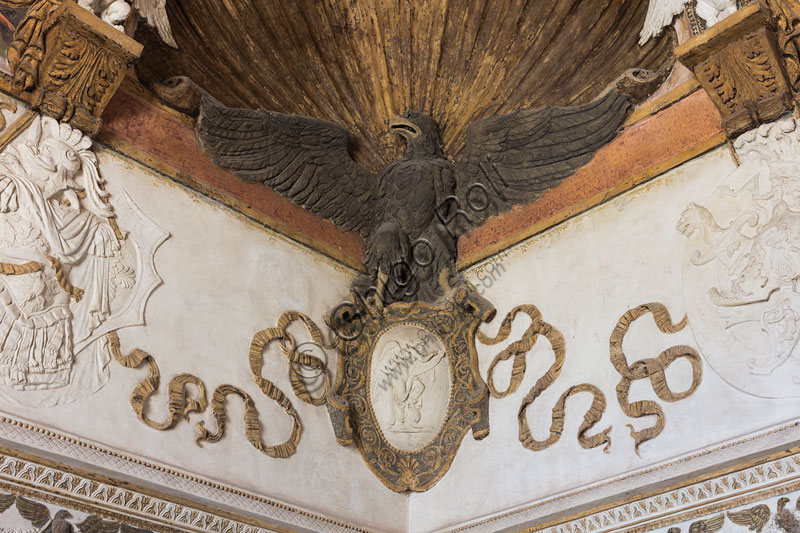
(360,62)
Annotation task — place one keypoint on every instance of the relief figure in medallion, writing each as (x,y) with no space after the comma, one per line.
(417,372)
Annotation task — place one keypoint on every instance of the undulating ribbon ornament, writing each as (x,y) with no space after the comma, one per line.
(181,403)
(652,369)
(518,350)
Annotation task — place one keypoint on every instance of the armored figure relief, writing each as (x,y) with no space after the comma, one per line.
(60,254)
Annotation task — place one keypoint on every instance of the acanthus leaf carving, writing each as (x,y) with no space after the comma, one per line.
(67,63)
(741,68)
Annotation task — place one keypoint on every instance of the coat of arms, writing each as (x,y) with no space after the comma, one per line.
(408,387)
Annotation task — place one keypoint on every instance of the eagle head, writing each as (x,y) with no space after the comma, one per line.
(419,131)
(62,515)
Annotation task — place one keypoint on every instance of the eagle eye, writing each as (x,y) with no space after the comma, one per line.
(405,127)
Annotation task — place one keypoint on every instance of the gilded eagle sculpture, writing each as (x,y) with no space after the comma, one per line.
(411,213)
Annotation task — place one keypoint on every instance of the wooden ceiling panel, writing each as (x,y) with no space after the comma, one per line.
(359,63)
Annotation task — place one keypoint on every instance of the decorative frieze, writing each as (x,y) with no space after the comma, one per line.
(99,495)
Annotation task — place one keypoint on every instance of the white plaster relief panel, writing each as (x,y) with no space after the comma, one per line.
(77,264)
(409,386)
(742,266)
(224,279)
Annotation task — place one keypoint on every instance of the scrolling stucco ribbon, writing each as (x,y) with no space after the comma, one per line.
(12,269)
(288,345)
(519,349)
(181,404)
(652,369)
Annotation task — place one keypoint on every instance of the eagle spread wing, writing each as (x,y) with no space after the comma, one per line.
(35,513)
(155,13)
(754,518)
(659,14)
(6,501)
(306,159)
(709,525)
(515,158)
(95,524)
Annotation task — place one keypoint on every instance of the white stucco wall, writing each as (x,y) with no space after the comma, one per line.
(583,275)
(224,279)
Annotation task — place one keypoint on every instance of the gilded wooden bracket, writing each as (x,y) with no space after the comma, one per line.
(743,61)
(67,63)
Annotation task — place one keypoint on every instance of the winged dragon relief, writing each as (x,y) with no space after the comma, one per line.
(412,212)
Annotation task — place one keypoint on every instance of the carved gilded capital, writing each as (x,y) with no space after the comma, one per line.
(68,63)
(741,65)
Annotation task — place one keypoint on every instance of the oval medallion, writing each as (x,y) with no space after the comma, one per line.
(409,385)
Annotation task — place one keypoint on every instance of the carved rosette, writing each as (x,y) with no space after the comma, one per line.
(388,402)
(739,64)
(83,62)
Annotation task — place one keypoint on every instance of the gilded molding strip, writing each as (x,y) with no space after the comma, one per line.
(67,487)
(170,479)
(742,487)
(697,497)
(708,494)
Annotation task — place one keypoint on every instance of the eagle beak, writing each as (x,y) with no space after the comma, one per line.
(403,127)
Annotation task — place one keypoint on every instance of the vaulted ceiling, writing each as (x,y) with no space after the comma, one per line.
(361,62)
